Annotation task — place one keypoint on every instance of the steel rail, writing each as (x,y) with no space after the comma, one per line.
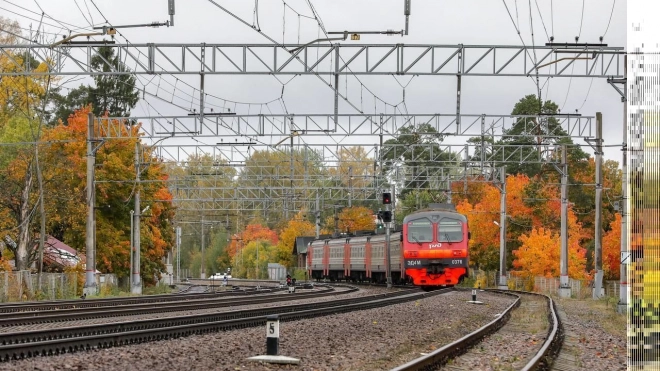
(542,358)
(113,302)
(117,327)
(51,342)
(29,318)
(553,342)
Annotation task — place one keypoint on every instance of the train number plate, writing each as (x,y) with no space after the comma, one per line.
(421,263)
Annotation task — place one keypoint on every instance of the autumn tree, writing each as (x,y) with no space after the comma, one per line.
(252,261)
(21,98)
(611,245)
(354,171)
(539,254)
(484,215)
(282,177)
(296,227)
(114,188)
(240,241)
(350,220)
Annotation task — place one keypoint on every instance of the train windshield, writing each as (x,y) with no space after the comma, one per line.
(450,230)
(420,230)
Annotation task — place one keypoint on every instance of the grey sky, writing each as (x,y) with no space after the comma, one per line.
(482,22)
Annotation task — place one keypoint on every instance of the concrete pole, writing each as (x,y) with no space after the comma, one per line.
(136,288)
(622,306)
(564,288)
(90,269)
(256,264)
(449,191)
(388,270)
(458,90)
(202,273)
(337,86)
(598,251)
(503,284)
(318,216)
(178,254)
(130,253)
(350,186)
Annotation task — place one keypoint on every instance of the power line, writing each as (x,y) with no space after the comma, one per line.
(542,22)
(83,14)
(581,21)
(610,20)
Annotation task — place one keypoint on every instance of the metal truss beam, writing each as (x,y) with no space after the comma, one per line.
(373,59)
(497,154)
(278,127)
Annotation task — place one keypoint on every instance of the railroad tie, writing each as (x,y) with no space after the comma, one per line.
(568,358)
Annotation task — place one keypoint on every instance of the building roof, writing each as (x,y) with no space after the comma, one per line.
(58,253)
(300,247)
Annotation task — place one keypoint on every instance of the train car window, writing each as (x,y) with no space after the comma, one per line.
(450,230)
(420,230)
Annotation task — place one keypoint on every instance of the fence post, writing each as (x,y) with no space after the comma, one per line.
(6,289)
(20,285)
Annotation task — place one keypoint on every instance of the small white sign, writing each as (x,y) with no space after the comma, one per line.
(625,257)
(272,329)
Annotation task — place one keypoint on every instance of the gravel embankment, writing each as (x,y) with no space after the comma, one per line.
(595,336)
(514,345)
(374,339)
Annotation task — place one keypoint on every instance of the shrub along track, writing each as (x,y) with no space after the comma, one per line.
(26,344)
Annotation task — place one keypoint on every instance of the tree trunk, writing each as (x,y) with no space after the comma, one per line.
(24,223)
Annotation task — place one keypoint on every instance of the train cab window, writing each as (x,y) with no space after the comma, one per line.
(420,230)
(450,230)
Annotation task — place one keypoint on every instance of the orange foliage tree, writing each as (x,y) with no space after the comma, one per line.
(484,212)
(252,232)
(351,219)
(296,227)
(539,254)
(611,244)
(66,176)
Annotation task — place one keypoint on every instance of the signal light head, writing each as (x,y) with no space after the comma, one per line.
(387,198)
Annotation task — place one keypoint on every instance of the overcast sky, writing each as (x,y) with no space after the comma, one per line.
(482,22)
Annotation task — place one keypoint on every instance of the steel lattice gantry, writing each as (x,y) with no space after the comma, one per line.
(336,59)
(281,126)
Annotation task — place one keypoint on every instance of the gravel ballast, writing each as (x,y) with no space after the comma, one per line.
(374,339)
(595,335)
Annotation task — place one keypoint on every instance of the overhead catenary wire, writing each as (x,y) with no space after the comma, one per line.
(542,22)
(610,20)
(91,23)
(581,21)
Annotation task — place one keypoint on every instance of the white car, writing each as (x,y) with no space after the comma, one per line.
(218,276)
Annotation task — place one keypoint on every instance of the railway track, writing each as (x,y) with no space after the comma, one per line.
(130,309)
(513,324)
(57,305)
(43,342)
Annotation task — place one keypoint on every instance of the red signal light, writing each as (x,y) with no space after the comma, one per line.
(387,198)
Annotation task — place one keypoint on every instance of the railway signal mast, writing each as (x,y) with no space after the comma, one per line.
(387,219)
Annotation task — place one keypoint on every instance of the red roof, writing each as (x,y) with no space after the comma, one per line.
(57,252)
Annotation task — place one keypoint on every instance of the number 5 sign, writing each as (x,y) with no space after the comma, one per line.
(272,328)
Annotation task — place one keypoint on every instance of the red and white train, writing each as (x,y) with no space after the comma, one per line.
(431,251)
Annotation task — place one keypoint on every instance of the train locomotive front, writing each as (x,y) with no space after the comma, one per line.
(435,247)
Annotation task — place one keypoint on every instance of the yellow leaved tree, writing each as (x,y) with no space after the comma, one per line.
(296,227)
(351,219)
